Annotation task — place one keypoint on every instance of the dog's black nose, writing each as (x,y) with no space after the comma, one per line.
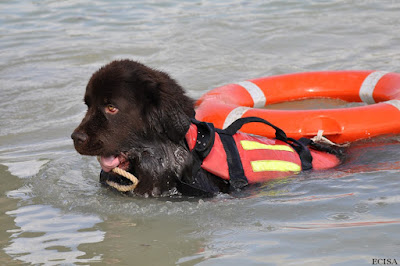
(79,137)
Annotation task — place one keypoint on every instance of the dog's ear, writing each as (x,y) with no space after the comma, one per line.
(175,124)
(177,110)
(150,95)
(166,106)
(164,111)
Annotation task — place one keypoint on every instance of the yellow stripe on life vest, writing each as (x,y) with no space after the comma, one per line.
(255,145)
(274,165)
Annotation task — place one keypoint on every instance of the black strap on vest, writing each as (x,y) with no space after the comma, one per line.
(300,146)
(237,178)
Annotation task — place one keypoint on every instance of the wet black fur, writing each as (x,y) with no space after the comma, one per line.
(150,127)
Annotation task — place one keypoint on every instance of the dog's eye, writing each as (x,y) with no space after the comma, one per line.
(111,109)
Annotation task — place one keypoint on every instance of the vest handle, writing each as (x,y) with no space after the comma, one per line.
(236,125)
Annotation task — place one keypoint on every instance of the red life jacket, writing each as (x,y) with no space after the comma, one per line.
(259,158)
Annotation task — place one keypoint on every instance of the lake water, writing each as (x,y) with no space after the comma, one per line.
(54,212)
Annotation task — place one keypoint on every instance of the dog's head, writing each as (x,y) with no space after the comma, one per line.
(128,104)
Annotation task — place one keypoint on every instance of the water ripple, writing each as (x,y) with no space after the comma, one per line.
(46,235)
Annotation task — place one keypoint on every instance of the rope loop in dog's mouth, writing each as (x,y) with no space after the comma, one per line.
(127,175)
(123,173)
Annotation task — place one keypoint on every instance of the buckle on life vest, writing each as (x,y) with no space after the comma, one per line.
(205,138)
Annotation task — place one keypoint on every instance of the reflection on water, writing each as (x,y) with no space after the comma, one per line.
(46,235)
(340,216)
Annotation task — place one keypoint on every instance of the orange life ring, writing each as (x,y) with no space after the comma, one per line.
(379,89)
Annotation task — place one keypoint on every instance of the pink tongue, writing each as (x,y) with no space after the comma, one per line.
(109,163)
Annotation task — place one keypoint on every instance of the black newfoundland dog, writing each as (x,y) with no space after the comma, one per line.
(137,119)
